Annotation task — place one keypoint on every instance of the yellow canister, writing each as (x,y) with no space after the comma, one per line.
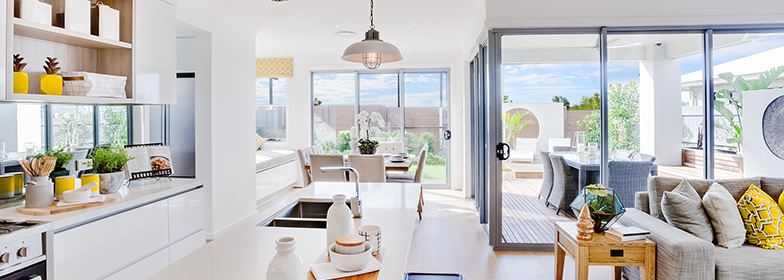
(62,184)
(7,186)
(18,182)
(89,178)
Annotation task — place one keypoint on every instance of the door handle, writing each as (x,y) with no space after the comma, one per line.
(447,134)
(500,153)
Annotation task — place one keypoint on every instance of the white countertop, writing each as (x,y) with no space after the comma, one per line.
(139,192)
(245,251)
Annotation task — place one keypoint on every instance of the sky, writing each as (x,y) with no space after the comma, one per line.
(530,83)
(422,89)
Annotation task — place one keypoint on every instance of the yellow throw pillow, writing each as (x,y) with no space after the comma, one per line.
(259,141)
(762,218)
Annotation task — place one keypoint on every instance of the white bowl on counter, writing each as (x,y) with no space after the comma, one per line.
(352,262)
(76,196)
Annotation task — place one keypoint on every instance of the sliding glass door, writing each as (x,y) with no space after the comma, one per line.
(413,103)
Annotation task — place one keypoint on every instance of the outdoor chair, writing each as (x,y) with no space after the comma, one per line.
(622,154)
(627,178)
(547,177)
(524,150)
(370,168)
(643,157)
(558,142)
(565,184)
(562,149)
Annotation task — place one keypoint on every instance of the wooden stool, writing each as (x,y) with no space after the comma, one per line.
(602,251)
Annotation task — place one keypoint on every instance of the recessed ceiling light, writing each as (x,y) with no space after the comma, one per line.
(337,26)
(414,23)
(345,33)
(279,1)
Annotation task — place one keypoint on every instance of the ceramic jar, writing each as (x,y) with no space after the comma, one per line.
(111,182)
(286,264)
(39,192)
(338,219)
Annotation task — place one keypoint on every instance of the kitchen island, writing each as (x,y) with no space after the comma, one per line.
(245,251)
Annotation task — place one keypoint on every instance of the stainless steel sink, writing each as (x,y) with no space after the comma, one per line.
(305,213)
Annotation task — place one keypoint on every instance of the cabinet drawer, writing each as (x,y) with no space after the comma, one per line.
(144,268)
(186,246)
(96,249)
(186,214)
(616,254)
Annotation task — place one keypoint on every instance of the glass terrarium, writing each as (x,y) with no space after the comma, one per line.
(604,205)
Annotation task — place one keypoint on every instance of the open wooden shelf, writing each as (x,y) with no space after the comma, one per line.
(67,99)
(65,36)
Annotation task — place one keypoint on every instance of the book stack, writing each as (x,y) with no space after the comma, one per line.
(624,234)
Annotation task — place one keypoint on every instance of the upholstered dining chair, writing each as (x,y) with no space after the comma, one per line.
(370,168)
(304,160)
(565,184)
(317,161)
(547,177)
(415,178)
(628,178)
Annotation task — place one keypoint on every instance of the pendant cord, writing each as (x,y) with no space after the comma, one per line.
(372,26)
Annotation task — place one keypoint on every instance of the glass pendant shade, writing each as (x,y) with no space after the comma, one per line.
(372,52)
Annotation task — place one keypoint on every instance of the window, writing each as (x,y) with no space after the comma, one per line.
(271,109)
(22,124)
(72,126)
(113,125)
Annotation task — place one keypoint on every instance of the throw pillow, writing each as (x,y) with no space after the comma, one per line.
(682,207)
(762,218)
(724,216)
(259,141)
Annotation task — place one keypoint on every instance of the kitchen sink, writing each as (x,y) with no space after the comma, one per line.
(305,213)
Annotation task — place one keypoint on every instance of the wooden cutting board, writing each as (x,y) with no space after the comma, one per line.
(54,209)
(367,276)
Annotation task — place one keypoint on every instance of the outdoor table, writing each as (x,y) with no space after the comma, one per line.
(588,168)
(388,164)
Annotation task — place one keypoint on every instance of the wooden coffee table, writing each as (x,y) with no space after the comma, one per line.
(602,251)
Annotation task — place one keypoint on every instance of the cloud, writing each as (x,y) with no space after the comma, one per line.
(421,78)
(334,89)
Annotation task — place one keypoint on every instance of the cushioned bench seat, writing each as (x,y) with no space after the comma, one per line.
(266,159)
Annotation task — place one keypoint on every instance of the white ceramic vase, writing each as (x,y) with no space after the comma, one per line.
(111,182)
(39,192)
(338,219)
(286,264)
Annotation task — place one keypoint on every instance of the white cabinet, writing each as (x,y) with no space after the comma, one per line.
(186,214)
(186,246)
(99,248)
(144,268)
(155,52)
(270,181)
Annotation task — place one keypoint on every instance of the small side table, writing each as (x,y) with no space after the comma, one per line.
(602,251)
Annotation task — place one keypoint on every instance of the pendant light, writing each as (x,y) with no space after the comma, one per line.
(372,51)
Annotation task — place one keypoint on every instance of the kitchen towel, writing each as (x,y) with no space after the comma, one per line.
(93,199)
(326,271)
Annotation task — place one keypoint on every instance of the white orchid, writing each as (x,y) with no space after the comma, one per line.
(375,131)
(365,119)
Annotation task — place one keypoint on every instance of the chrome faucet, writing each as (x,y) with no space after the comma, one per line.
(356,202)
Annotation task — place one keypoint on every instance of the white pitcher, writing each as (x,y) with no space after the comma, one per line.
(39,192)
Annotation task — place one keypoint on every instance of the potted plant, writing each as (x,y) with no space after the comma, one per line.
(604,206)
(21,80)
(109,164)
(51,83)
(366,145)
(63,158)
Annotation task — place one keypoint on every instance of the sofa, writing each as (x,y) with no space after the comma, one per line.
(680,255)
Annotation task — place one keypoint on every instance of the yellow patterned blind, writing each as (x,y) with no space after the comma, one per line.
(274,67)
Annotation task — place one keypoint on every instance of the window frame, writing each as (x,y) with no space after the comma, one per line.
(49,124)
(277,141)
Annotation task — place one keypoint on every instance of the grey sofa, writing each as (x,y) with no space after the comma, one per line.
(679,255)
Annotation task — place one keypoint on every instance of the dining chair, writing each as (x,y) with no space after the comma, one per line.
(317,161)
(415,178)
(563,149)
(547,177)
(304,160)
(371,168)
(551,142)
(628,177)
(565,183)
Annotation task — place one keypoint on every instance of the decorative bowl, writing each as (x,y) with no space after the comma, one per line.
(350,262)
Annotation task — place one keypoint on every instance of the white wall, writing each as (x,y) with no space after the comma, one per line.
(660,106)
(758,160)
(299,100)
(225,69)
(550,117)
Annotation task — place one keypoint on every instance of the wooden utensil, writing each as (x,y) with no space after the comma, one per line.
(48,167)
(26,166)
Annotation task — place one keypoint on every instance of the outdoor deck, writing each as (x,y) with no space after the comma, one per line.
(525,217)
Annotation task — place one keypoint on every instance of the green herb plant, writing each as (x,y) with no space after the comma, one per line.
(62,156)
(107,160)
(602,201)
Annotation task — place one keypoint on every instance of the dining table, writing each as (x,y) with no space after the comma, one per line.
(389,165)
(588,167)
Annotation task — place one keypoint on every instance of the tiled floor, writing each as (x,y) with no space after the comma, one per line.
(449,238)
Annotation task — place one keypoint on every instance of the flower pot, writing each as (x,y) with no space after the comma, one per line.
(52,84)
(367,150)
(39,192)
(21,82)
(111,182)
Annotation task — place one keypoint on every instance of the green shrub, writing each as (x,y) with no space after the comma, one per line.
(62,156)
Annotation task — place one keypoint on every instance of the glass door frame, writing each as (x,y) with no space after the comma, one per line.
(495,101)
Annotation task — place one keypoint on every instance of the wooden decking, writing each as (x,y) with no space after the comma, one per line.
(526,219)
